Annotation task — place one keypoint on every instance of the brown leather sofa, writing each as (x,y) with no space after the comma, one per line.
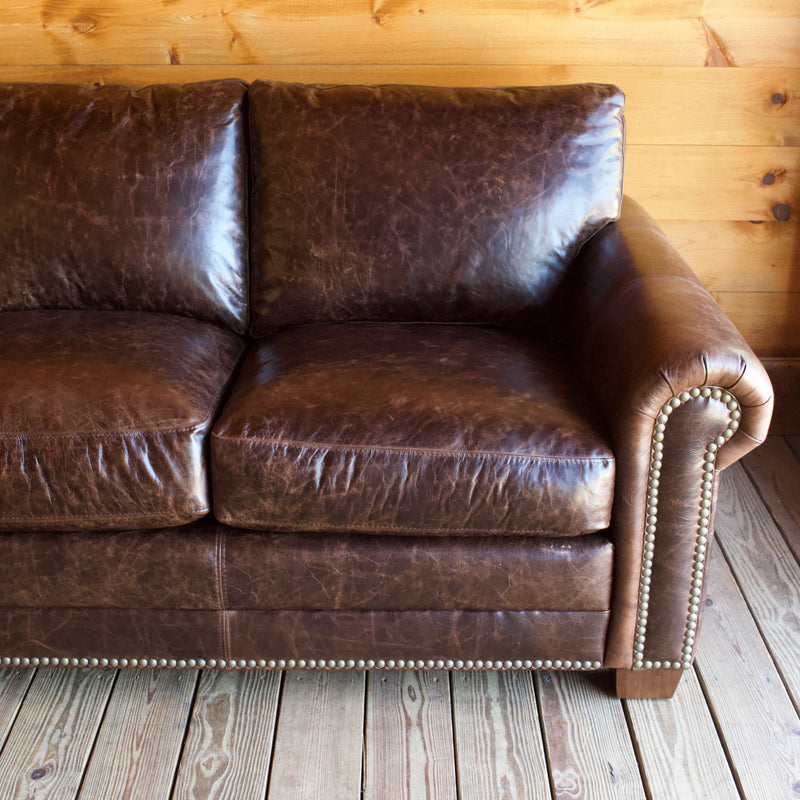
(351,377)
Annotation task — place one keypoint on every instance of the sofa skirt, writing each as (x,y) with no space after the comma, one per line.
(209,595)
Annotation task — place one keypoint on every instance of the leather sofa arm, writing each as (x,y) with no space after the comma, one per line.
(682,396)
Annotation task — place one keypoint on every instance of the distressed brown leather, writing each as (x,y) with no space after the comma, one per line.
(441,449)
(303,571)
(209,566)
(104,417)
(400,203)
(171,568)
(429,429)
(418,635)
(144,633)
(643,329)
(154,634)
(690,427)
(120,199)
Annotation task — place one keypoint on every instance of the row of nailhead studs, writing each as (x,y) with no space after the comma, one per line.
(213,663)
(701,542)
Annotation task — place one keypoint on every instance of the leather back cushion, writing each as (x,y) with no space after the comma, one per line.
(119,199)
(400,203)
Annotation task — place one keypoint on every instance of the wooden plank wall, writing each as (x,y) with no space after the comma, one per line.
(713,91)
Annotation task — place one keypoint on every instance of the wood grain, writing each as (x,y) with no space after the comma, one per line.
(434,32)
(677,745)
(298,10)
(739,256)
(646,684)
(764,568)
(794,443)
(499,748)
(140,740)
(589,747)
(701,140)
(684,183)
(661,103)
(46,753)
(755,721)
(775,470)
(14,682)
(229,745)
(769,321)
(409,736)
(755,717)
(318,744)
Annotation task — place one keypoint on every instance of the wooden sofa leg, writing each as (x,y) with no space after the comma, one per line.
(647,684)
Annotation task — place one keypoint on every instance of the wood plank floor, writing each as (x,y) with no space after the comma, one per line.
(732,730)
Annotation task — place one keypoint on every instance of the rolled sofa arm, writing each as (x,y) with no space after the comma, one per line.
(682,396)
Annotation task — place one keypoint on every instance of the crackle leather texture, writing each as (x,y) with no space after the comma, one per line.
(418,634)
(400,203)
(433,429)
(439,447)
(134,632)
(208,566)
(184,634)
(120,199)
(305,571)
(167,568)
(104,417)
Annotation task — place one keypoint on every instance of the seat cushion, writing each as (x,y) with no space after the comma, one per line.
(104,417)
(426,428)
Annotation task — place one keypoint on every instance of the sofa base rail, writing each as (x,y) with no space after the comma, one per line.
(301,639)
(629,683)
(302,663)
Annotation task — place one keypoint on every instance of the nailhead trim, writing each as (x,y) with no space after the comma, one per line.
(701,540)
(291,663)
(650,531)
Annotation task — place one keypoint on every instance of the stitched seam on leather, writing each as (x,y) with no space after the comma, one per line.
(104,435)
(389,528)
(224,633)
(164,516)
(222,593)
(757,405)
(417,451)
(222,596)
(742,372)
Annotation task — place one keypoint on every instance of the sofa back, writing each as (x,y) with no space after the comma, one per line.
(118,199)
(424,204)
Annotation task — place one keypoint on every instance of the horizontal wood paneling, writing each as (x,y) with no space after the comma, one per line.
(713,153)
(728,183)
(624,10)
(769,321)
(661,104)
(740,256)
(355,31)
